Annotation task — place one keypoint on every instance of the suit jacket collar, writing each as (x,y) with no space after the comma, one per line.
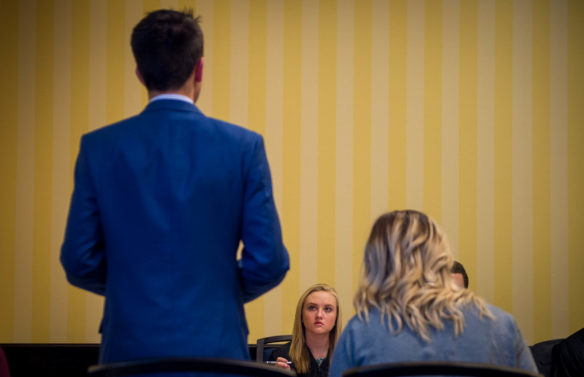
(171,104)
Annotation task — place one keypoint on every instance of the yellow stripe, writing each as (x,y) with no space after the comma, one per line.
(397,103)
(148,6)
(116,48)
(559,169)
(274,137)
(415,106)
(61,162)
(450,101)
(503,153)
(379,109)
(362,133)
(9,120)
(221,58)
(23,290)
(485,198)
(521,165)
(541,171)
(433,109)
(134,92)
(205,10)
(468,137)
(344,157)
(79,124)
(238,90)
(291,152)
(575,161)
(43,171)
(257,122)
(326,139)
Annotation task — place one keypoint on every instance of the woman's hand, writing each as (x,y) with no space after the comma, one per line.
(282,363)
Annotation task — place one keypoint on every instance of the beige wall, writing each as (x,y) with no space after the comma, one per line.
(472,111)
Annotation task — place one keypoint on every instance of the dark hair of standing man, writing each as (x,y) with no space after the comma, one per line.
(458,268)
(166,45)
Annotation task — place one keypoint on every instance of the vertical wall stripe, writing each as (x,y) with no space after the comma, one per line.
(503,152)
(362,166)
(540,29)
(115,61)
(327,89)
(485,134)
(559,168)
(80,45)
(344,112)
(61,165)
(450,101)
(308,145)
(98,98)
(274,137)
(134,91)
(467,152)
(9,76)
(379,109)
(205,10)
(238,69)
(415,106)
(221,58)
(521,165)
(43,134)
(575,158)
(256,121)
(398,16)
(291,150)
(169,4)
(432,139)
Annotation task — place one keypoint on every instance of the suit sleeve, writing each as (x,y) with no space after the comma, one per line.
(83,252)
(264,259)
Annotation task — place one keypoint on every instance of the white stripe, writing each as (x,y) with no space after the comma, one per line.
(61,171)
(274,137)
(450,107)
(522,172)
(25,150)
(205,10)
(308,144)
(485,247)
(415,106)
(344,154)
(239,73)
(560,304)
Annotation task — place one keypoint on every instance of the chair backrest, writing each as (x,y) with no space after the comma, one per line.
(186,364)
(435,368)
(262,342)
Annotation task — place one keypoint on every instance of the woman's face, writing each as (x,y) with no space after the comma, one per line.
(319,313)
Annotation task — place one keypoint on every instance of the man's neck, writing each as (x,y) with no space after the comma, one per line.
(186,93)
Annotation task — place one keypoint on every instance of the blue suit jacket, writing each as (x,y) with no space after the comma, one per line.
(160,204)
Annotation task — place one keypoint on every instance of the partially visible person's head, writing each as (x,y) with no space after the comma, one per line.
(167,45)
(459,275)
(318,297)
(406,275)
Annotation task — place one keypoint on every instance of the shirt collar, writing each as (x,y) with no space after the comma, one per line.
(178,97)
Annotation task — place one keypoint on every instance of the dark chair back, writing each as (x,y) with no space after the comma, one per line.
(186,364)
(262,342)
(435,368)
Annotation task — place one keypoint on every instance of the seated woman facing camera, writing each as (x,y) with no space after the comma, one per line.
(408,308)
(317,326)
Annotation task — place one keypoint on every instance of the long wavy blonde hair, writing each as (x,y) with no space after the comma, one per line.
(298,349)
(406,276)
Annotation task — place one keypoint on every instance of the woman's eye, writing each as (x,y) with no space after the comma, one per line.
(328,309)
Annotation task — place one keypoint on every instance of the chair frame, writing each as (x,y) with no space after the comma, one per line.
(434,368)
(186,364)
(261,342)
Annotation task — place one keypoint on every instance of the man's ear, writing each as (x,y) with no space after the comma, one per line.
(199,71)
(139,76)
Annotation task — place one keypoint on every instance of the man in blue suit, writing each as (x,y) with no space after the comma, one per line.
(160,205)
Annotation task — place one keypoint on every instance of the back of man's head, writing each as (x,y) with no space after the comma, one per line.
(166,45)
(458,268)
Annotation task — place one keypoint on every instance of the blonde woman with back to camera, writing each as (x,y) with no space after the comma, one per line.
(409,309)
(317,326)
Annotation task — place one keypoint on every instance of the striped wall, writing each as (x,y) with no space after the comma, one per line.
(470,110)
